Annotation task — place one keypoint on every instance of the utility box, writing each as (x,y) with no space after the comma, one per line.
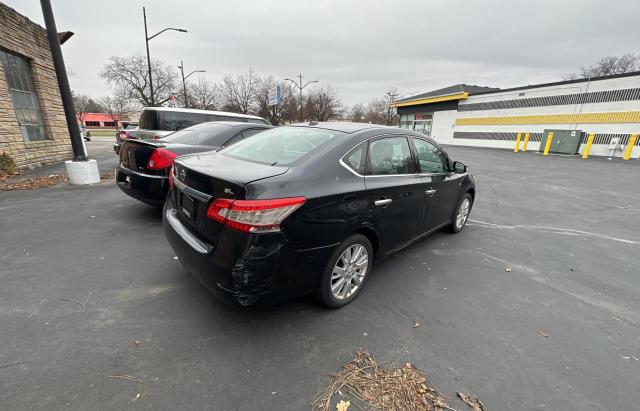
(564,141)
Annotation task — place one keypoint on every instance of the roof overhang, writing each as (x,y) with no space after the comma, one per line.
(456,96)
(64,36)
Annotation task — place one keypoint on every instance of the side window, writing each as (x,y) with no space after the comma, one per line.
(389,156)
(355,159)
(430,158)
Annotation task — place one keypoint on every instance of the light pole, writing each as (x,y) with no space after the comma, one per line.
(63,82)
(301,87)
(146,39)
(184,83)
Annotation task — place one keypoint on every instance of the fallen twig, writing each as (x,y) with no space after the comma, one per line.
(399,388)
(13,363)
(84,304)
(127,377)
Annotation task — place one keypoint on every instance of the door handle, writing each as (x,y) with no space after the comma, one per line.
(383,202)
(430,192)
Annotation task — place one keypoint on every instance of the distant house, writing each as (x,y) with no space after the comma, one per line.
(106,121)
(97,120)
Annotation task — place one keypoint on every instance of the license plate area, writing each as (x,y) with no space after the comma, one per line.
(188,206)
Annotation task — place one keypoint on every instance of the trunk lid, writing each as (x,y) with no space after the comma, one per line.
(212,176)
(135,154)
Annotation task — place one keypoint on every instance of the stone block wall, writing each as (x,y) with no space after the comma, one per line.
(21,36)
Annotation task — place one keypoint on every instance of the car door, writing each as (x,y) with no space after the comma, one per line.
(440,185)
(394,190)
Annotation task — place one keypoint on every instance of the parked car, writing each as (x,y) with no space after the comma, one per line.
(143,170)
(84,132)
(305,209)
(129,131)
(157,122)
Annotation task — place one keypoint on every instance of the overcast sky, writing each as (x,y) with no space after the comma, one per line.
(360,47)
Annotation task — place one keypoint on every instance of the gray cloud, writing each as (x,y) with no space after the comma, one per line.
(361,47)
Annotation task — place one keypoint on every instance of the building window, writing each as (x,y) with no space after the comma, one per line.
(23,95)
(109,124)
(92,123)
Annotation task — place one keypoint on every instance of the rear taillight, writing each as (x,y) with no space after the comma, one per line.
(253,216)
(156,137)
(160,158)
(123,135)
(171,179)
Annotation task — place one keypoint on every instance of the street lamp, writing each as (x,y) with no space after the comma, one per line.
(301,87)
(184,78)
(146,39)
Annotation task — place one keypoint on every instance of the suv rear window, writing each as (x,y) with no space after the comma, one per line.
(281,146)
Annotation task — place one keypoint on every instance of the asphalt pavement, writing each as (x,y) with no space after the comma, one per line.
(534,306)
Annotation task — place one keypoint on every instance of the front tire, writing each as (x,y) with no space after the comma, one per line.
(346,272)
(462,214)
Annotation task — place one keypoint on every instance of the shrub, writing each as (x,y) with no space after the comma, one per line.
(7,165)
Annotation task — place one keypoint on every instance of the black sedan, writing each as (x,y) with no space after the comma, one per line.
(143,170)
(306,209)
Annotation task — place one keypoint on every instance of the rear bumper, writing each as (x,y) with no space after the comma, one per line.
(243,268)
(146,188)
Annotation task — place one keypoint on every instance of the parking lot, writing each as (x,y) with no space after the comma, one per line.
(533,306)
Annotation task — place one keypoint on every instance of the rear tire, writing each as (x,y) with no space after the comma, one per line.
(346,272)
(462,214)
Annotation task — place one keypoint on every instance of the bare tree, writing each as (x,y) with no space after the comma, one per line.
(356,113)
(323,104)
(239,92)
(376,111)
(608,65)
(289,112)
(391,117)
(130,77)
(203,94)
(115,106)
(81,103)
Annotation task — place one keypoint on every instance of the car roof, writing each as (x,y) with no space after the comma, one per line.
(194,110)
(343,126)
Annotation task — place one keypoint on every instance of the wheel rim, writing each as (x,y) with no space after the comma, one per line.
(349,271)
(463,213)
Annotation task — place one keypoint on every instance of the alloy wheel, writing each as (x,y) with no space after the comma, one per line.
(463,213)
(349,271)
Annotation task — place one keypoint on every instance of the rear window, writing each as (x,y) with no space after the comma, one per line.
(200,135)
(281,146)
(169,120)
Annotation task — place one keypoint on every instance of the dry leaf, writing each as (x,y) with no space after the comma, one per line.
(542,333)
(472,402)
(416,324)
(343,405)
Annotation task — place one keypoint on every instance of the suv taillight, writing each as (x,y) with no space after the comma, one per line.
(253,216)
(160,158)
(123,135)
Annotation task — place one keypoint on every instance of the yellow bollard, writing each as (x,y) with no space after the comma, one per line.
(547,146)
(587,148)
(517,148)
(632,142)
(526,141)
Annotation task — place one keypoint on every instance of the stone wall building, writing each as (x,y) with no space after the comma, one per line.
(33,130)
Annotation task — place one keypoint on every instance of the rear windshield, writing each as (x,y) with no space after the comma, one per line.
(208,134)
(178,120)
(281,146)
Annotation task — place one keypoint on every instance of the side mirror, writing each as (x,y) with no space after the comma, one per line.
(459,167)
